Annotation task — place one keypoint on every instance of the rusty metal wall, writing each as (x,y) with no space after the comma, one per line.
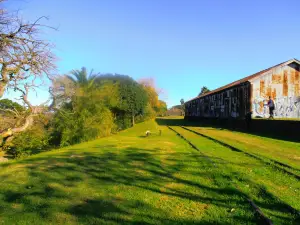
(283,85)
(230,103)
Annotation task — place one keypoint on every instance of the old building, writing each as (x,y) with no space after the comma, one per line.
(250,94)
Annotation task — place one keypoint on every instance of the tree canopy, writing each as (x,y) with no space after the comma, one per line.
(10,105)
(85,105)
(204,90)
(81,78)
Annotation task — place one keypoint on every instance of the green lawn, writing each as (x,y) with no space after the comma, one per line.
(282,151)
(271,190)
(131,179)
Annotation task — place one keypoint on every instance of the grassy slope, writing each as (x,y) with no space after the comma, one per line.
(270,189)
(125,179)
(282,151)
(130,179)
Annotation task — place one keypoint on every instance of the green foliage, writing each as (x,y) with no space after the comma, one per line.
(9,104)
(90,106)
(162,108)
(149,113)
(182,101)
(133,98)
(122,121)
(30,142)
(85,118)
(203,91)
(123,96)
(81,78)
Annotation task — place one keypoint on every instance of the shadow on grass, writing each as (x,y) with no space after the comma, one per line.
(132,186)
(277,129)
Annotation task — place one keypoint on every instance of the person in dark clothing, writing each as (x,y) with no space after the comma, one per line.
(248,118)
(271,108)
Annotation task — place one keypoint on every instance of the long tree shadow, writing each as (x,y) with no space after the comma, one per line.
(263,128)
(131,186)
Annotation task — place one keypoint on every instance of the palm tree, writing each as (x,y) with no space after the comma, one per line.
(81,78)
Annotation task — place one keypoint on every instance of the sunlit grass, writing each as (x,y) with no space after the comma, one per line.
(283,151)
(269,188)
(132,179)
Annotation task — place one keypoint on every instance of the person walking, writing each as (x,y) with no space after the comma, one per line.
(271,107)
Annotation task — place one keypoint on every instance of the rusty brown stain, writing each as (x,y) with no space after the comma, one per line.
(296,76)
(276,79)
(274,93)
(285,84)
(292,77)
(262,88)
(269,91)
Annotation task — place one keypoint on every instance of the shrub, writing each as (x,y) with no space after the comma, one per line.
(72,127)
(32,141)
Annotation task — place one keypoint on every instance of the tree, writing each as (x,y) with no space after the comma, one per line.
(182,101)
(162,108)
(11,115)
(182,106)
(23,54)
(62,90)
(81,78)
(155,106)
(133,98)
(83,119)
(152,93)
(26,61)
(8,105)
(203,91)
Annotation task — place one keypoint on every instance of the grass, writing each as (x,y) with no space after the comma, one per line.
(282,151)
(131,179)
(270,189)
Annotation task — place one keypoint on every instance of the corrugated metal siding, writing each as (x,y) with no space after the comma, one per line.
(233,102)
(282,84)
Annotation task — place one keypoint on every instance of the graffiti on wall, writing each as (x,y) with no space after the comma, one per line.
(283,85)
(230,103)
(285,107)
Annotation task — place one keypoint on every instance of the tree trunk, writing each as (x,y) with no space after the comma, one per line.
(10,132)
(3,79)
(2,88)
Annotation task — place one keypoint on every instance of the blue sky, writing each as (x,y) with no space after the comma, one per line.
(183,45)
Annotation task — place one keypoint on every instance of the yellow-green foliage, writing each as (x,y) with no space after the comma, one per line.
(32,141)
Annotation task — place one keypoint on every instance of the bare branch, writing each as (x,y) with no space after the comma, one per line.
(23,55)
(14,111)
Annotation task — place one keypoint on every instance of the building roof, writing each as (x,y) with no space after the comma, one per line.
(245,79)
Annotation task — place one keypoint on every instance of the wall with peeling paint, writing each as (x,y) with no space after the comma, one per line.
(283,85)
(233,102)
(251,94)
